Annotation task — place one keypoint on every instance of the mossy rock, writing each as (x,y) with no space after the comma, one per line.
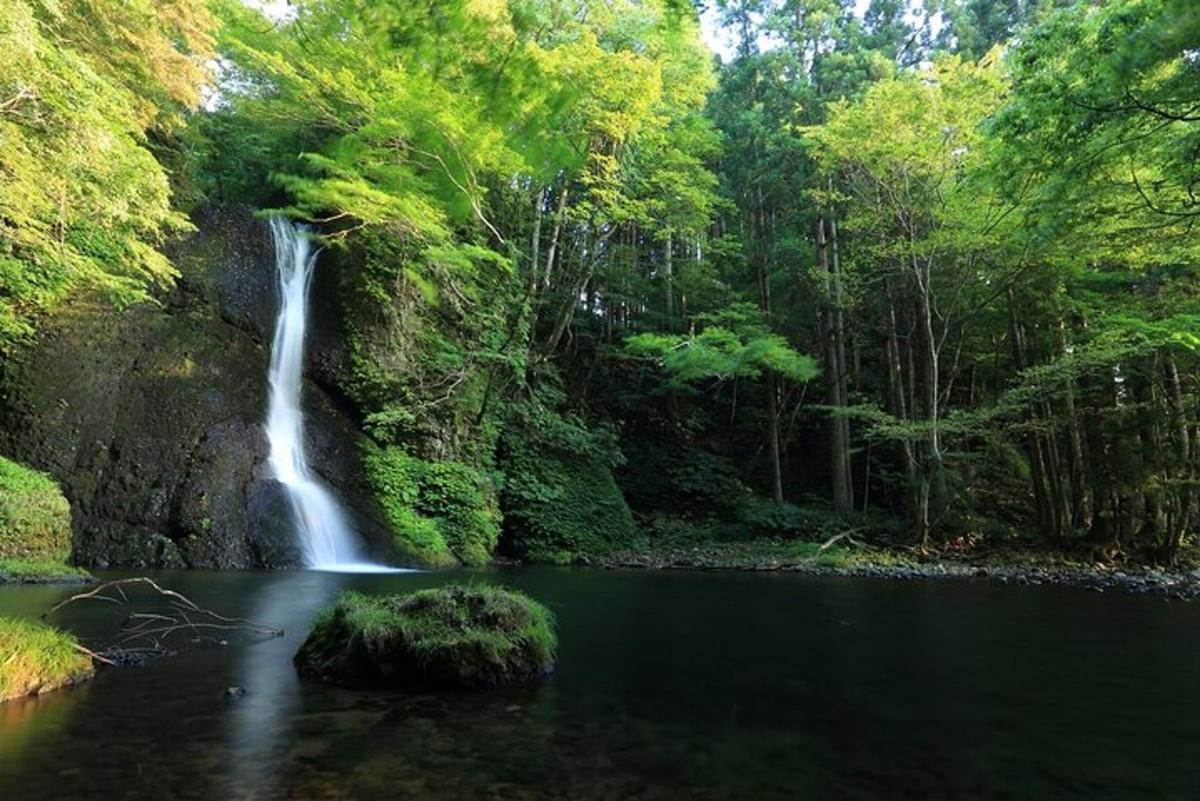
(37,659)
(455,636)
(35,518)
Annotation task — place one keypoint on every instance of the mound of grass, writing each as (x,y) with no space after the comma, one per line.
(41,571)
(35,518)
(455,636)
(35,658)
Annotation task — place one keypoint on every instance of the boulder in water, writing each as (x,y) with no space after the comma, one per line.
(455,636)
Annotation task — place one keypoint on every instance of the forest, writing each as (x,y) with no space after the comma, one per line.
(622,304)
(924,273)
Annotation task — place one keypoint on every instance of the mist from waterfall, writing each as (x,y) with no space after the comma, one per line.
(326,538)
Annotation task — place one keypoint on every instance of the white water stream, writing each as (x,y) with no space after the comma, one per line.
(326,538)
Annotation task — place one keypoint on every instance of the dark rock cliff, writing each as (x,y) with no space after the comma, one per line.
(150,417)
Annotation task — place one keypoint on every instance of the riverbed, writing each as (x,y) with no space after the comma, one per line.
(669,685)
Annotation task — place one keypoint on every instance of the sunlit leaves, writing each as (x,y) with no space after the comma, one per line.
(82,198)
(732,344)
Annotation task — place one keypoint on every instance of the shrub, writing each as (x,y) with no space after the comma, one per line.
(37,659)
(454,636)
(35,518)
(679,478)
(458,498)
(766,518)
(560,500)
(440,511)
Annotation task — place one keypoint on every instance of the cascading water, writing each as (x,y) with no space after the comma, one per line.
(326,538)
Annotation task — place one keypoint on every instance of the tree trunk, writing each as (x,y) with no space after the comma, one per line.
(669,281)
(559,216)
(773,436)
(835,376)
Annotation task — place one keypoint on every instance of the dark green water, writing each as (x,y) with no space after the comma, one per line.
(670,686)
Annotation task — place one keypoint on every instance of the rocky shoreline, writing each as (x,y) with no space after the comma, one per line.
(1178,585)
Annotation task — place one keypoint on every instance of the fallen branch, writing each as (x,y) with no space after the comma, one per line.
(845,535)
(89,652)
(147,631)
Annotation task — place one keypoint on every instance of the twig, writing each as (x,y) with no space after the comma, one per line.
(93,654)
(152,627)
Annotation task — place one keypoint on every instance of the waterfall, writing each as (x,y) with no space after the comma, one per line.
(326,538)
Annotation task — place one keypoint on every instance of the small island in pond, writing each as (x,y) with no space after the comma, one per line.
(456,636)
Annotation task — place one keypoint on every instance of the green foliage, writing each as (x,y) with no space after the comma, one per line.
(678,477)
(40,571)
(82,198)
(1102,119)
(458,636)
(35,518)
(760,518)
(438,511)
(733,343)
(429,348)
(560,500)
(786,520)
(38,658)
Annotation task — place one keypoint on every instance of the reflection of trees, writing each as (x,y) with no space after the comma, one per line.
(24,720)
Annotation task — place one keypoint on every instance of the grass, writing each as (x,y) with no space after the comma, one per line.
(40,571)
(35,518)
(477,636)
(35,658)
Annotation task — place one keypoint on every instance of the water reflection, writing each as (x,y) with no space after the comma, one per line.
(260,721)
(24,721)
(669,686)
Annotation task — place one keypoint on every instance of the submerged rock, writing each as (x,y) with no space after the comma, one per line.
(455,636)
(37,659)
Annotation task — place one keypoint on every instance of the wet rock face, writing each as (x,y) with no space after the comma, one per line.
(270,525)
(150,418)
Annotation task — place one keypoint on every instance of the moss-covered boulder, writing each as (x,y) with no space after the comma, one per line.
(455,636)
(35,658)
(35,518)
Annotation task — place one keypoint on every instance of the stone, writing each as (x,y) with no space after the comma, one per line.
(451,637)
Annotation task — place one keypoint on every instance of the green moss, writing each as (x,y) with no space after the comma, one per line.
(458,498)
(441,511)
(40,571)
(456,636)
(37,659)
(35,518)
(560,500)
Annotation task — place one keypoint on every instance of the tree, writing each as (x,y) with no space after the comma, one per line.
(89,92)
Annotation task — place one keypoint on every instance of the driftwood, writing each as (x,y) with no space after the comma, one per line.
(848,536)
(147,632)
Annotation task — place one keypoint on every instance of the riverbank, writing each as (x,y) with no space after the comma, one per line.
(42,571)
(1020,567)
